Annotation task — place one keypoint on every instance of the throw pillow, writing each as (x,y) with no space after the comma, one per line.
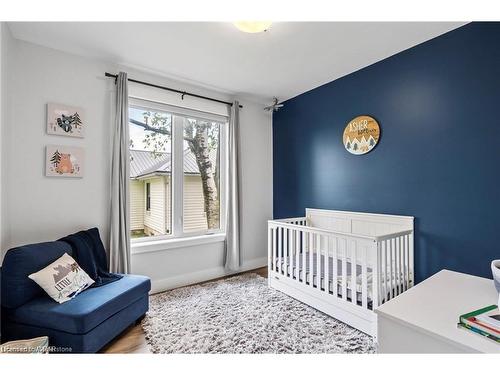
(63,279)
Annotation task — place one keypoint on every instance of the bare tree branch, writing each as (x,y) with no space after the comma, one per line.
(156,130)
(150,128)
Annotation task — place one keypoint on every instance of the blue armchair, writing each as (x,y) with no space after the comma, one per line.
(84,324)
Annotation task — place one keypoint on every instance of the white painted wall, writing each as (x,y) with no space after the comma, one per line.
(39,208)
(43,209)
(2,64)
(5,52)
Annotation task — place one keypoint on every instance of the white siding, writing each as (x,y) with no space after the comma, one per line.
(155,218)
(137,200)
(195,218)
(158,219)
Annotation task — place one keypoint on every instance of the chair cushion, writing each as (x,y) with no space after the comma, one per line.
(87,310)
(22,261)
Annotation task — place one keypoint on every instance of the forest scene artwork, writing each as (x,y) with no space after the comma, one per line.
(65,120)
(64,161)
(361,135)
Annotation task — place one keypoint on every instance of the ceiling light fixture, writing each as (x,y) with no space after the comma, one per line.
(253,26)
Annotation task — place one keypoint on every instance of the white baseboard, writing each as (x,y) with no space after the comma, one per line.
(204,275)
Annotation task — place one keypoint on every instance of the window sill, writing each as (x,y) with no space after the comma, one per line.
(175,243)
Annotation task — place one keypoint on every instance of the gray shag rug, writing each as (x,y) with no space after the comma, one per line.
(242,314)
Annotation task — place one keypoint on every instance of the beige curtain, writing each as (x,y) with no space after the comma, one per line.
(119,247)
(232,258)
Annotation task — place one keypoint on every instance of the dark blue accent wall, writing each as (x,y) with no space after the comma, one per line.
(438,159)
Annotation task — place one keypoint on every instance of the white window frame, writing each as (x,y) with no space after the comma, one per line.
(179,116)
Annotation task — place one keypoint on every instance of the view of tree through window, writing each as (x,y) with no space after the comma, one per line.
(152,170)
(201,175)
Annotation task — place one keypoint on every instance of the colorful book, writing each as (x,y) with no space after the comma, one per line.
(479,332)
(491,318)
(483,322)
(474,322)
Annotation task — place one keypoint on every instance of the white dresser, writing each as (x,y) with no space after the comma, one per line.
(424,318)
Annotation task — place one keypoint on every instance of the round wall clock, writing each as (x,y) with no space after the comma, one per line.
(361,135)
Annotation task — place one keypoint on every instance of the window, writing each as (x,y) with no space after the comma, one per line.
(148,196)
(177,162)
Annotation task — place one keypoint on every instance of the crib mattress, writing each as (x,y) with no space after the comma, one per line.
(291,270)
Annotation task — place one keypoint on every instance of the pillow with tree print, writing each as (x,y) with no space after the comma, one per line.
(63,279)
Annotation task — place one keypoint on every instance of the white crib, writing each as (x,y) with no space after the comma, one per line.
(311,259)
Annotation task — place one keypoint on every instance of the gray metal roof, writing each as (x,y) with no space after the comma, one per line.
(144,160)
(146,163)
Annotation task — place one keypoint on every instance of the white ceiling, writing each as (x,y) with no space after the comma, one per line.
(287,60)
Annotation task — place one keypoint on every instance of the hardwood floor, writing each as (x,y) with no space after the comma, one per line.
(133,340)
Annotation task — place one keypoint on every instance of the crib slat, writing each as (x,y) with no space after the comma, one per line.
(283,251)
(353,272)
(297,254)
(318,261)
(290,253)
(384,273)
(405,264)
(376,277)
(304,247)
(291,241)
(410,251)
(364,278)
(410,260)
(280,248)
(386,277)
(311,260)
(287,252)
(344,271)
(391,273)
(396,266)
(401,265)
(400,268)
(335,284)
(407,252)
(389,269)
(326,264)
(354,269)
(293,261)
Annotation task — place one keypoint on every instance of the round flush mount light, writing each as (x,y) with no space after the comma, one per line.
(253,26)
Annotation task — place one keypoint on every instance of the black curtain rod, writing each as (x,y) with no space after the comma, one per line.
(115,76)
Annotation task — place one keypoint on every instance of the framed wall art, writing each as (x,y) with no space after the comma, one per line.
(65,120)
(64,161)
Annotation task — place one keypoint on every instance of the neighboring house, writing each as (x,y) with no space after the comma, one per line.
(150,194)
